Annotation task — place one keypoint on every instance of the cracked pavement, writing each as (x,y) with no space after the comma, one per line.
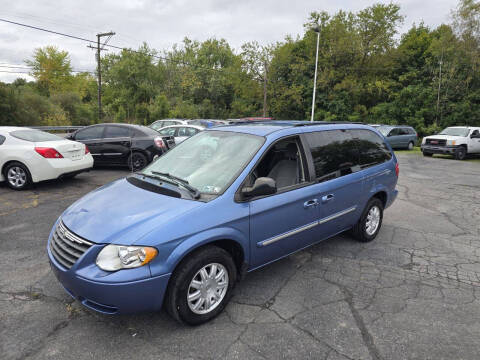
(413,293)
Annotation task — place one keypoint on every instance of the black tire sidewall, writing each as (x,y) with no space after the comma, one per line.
(360,231)
(130,160)
(27,184)
(177,293)
(460,153)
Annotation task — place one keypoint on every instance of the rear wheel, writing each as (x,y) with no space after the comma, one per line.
(201,286)
(368,227)
(17,176)
(460,153)
(137,161)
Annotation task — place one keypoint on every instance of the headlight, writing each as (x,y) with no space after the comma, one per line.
(423,140)
(450,142)
(116,257)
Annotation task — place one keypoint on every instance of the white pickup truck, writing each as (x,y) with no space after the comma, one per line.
(458,141)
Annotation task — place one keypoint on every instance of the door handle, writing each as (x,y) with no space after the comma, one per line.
(327,198)
(309,203)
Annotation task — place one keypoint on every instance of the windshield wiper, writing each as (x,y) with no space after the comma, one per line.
(180,181)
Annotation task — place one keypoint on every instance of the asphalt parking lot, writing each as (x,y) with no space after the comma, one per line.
(413,293)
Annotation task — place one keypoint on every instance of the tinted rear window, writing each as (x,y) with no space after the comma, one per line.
(35,135)
(338,153)
(144,131)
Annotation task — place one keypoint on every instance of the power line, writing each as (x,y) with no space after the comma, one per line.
(31,68)
(115,47)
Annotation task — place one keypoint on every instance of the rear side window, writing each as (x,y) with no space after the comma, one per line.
(35,135)
(94,132)
(371,149)
(2,139)
(338,153)
(186,131)
(334,154)
(168,131)
(117,132)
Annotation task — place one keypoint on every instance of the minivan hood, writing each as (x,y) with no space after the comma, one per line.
(122,213)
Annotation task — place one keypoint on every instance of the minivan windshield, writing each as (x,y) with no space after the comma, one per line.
(384,130)
(209,161)
(455,131)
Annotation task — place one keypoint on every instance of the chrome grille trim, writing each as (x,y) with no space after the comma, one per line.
(66,247)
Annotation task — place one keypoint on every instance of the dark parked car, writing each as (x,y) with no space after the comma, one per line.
(399,137)
(123,144)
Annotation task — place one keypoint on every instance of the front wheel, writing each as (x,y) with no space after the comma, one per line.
(201,286)
(368,227)
(410,145)
(460,153)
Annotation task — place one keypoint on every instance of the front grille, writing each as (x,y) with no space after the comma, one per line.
(439,142)
(67,247)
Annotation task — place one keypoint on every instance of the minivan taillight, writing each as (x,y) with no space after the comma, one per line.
(159,143)
(48,153)
(87,150)
(397,169)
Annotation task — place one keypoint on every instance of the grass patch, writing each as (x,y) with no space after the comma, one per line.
(416,150)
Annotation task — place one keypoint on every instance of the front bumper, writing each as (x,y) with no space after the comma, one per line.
(120,292)
(432,149)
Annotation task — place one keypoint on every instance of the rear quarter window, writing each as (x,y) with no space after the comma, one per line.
(34,135)
(2,139)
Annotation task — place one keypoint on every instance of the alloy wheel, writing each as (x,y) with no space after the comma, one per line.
(373,220)
(17,177)
(207,288)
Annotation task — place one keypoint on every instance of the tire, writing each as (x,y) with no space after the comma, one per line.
(137,161)
(427,154)
(17,176)
(182,280)
(360,231)
(410,145)
(460,153)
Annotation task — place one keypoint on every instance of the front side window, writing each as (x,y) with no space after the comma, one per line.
(186,131)
(394,132)
(283,163)
(210,161)
(94,132)
(35,135)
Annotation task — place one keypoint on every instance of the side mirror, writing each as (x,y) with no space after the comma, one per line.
(262,186)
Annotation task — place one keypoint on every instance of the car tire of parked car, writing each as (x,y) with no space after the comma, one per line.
(370,222)
(137,161)
(17,176)
(196,279)
(427,154)
(410,145)
(460,153)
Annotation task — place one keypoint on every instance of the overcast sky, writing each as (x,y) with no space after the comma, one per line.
(162,23)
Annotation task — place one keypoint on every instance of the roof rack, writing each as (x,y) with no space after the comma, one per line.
(312,123)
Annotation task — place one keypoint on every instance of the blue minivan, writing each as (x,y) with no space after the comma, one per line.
(227,201)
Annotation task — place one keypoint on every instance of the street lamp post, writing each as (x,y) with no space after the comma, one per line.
(317,30)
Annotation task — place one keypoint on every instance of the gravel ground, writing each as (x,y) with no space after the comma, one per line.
(413,293)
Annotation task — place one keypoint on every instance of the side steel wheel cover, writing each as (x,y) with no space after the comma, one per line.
(207,288)
(16,176)
(373,220)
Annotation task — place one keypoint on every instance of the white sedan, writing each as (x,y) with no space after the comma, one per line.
(29,156)
(180,132)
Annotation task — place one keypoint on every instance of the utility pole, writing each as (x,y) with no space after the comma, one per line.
(317,30)
(99,70)
(265,70)
(439,87)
